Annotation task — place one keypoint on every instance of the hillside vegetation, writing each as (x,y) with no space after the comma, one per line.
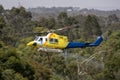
(20,62)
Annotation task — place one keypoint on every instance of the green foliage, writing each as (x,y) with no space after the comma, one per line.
(1,44)
(1,10)
(71,70)
(62,16)
(112,18)
(42,72)
(9,74)
(18,22)
(58,64)
(40,29)
(91,26)
(2,25)
(111,60)
(56,77)
(11,60)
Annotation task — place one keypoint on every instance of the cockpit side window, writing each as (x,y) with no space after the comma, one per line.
(52,40)
(45,39)
(56,40)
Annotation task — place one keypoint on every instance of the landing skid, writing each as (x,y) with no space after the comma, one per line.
(50,50)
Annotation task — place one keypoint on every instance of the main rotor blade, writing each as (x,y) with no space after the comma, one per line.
(65,28)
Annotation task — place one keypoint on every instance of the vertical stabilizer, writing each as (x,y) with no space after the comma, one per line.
(97,42)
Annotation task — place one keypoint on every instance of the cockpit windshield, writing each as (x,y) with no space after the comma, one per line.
(36,38)
(41,39)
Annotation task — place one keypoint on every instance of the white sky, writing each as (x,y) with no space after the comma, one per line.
(96,4)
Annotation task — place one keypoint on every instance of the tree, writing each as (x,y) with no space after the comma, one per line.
(11,64)
(62,18)
(91,27)
(1,10)
(46,22)
(2,26)
(112,18)
(111,50)
(18,22)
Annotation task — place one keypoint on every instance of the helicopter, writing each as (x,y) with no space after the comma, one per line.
(54,42)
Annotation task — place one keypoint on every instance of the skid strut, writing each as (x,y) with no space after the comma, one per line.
(50,50)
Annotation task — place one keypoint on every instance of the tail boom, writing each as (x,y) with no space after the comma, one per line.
(85,44)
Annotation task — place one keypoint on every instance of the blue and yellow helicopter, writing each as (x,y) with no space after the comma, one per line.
(53,42)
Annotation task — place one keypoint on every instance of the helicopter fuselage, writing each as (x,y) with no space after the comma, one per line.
(55,41)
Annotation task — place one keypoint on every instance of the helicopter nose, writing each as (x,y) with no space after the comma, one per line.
(32,43)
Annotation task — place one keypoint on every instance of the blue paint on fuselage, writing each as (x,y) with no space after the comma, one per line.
(85,44)
(76,45)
